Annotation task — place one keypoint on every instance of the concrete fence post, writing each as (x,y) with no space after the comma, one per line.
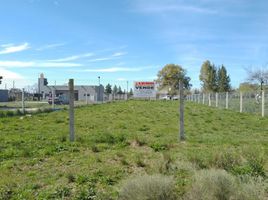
(53,98)
(209,99)
(22,101)
(241,102)
(71,109)
(262,103)
(217,99)
(227,100)
(86,98)
(181,134)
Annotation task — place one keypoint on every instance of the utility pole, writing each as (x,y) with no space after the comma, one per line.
(182,136)
(71,109)
(99,88)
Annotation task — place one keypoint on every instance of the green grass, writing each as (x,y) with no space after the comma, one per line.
(118,140)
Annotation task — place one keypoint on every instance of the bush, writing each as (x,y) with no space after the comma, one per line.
(157,187)
(219,185)
(6,192)
(110,138)
(252,189)
(212,184)
(61,192)
(227,160)
(86,193)
(246,163)
(159,147)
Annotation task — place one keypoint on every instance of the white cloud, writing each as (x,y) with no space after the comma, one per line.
(171,6)
(115,69)
(6,45)
(71,58)
(119,54)
(177,8)
(10,75)
(116,55)
(36,64)
(50,46)
(101,59)
(10,48)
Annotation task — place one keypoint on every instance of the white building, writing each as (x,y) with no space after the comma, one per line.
(81,92)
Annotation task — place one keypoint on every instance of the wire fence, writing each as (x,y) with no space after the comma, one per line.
(18,97)
(250,102)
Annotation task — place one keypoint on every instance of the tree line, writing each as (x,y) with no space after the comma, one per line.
(116,90)
(214,79)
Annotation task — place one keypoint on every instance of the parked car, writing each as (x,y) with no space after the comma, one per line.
(60,100)
(175,98)
(167,97)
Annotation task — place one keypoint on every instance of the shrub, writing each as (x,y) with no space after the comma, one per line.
(6,192)
(139,161)
(252,164)
(157,187)
(109,138)
(10,113)
(212,185)
(61,192)
(86,193)
(252,188)
(71,178)
(219,185)
(159,147)
(227,160)
(95,149)
(144,128)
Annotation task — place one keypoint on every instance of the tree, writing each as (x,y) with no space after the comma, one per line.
(108,89)
(208,75)
(170,75)
(131,92)
(223,80)
(247,87)
(115,89)
(259,76)
(120,90)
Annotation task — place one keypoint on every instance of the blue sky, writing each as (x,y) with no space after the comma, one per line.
(123,40)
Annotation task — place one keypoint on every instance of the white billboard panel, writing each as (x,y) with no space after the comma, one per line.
(144,89)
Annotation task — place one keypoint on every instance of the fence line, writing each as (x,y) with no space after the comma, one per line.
(248,102)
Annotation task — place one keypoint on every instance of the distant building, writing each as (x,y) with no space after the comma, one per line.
(81,92)
(3,95)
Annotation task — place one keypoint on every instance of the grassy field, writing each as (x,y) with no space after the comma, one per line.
(116,141)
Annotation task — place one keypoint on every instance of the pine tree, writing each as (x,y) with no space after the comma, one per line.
(131,92)
(108,89)
(115,90)
(223,80)
(208,75)
(120,90)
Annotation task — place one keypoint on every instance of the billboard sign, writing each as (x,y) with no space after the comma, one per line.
(144,89)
